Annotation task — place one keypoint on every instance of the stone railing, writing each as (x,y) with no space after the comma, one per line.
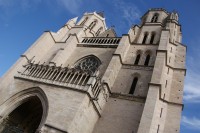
(69,77)
(102,40)
(96,87)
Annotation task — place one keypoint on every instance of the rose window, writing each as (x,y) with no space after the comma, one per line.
(90,64)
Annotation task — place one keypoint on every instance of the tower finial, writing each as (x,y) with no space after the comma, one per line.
(101,13)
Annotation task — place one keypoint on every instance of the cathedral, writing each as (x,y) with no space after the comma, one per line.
(85,79)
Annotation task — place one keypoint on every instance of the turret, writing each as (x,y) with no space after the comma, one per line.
(175,28)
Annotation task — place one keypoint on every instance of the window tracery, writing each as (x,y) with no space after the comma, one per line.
(99,31)
(155,18)
(91,26)
(90,64)
(83,22)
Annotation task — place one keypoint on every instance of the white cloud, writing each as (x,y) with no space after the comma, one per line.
(192,123)
(192,85)
(73,6)
(192,82)
(10,8)
(20,4)
(129,11)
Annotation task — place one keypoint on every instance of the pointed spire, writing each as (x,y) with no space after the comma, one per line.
(72,21)
(101,14)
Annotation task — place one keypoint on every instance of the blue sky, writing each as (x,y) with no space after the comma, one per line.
(23,21)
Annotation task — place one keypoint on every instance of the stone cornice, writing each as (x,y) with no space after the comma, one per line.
(132,65)
(163,100)
(174,68)
(128,97)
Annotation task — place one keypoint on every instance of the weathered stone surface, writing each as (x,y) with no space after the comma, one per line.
(78,99)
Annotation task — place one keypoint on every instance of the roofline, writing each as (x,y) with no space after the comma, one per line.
(155,9)
(98,16)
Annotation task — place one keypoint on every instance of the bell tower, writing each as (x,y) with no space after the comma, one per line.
(85,79)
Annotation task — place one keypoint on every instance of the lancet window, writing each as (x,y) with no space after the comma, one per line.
(91,26)
(137,60)
(145,38)
(83,22)
(133,86)
(155,18)
(146,63)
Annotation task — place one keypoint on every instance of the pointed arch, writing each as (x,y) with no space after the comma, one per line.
(152,37)
(133,85)
(145,38)
(21,98)
(154,19)
(99,31)
(146,63)
(137,59)
(83,22)
(147,57)
(92,25)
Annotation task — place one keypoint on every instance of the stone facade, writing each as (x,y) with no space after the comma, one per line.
(84,79)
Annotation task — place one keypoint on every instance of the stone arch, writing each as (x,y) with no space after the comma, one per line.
(145,36)
(153,36)
(84,20)
(154,19)
(135,79)
(147,57)
(138,57)
(22,97)
(148,52)
(136,74)
(93,24)
(99,31)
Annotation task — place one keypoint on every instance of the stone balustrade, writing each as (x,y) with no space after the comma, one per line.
(102,40)
(70,77)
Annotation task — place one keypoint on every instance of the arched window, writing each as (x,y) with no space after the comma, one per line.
(137,59)
(133,86)
(89,63)
(91,26)
(145,38)
(152,38)
(83,22)
(146,63)
(99,31)
(155,18)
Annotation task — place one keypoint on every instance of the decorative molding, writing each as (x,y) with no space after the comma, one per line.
(128,97)
(132,66)
(163,100)
(174,68)
(137,67)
